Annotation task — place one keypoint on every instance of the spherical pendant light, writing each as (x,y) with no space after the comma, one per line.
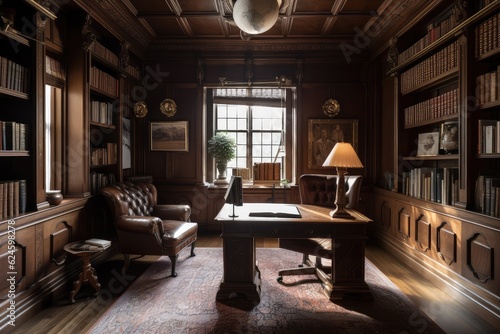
(256,16)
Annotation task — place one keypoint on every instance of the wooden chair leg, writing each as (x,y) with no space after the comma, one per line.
(173,259)
(126,263)
(192,249)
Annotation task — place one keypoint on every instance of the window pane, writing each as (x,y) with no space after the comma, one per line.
(257,129)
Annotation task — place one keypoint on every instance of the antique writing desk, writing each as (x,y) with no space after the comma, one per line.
(241,274)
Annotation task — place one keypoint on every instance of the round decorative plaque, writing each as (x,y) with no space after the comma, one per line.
(331,108)
(168,107)
(140,109)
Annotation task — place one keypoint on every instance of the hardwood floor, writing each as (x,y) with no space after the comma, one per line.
(442,304)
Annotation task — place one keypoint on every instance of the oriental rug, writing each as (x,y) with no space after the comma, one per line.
(158,303)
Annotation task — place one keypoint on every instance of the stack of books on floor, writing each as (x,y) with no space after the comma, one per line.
(93,244)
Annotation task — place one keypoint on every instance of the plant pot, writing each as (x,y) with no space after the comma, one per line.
(221,176)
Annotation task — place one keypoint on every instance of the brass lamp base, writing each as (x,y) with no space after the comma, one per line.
(340,201)
(340,214)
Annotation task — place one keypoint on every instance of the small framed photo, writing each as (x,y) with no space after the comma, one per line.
(428,144)
(449,138)
(169,136)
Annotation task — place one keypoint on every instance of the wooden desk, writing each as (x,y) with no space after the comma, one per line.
(241,274)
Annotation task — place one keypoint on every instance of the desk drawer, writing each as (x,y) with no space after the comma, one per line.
(290,230)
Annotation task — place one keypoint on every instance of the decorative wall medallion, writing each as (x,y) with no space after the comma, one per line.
(140,109)
(331,108)
(168,107)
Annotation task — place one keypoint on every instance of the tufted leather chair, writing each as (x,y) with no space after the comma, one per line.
(146,228)
(318,189)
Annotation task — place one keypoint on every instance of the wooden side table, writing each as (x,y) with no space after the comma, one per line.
(88,274)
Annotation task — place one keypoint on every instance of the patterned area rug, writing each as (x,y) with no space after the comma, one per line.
(157,303)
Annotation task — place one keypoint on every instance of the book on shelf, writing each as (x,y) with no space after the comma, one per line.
(12,198)
(487,194)
(488,136)
(438,185)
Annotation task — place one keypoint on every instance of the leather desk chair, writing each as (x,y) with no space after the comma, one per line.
(318,189)
(146,228)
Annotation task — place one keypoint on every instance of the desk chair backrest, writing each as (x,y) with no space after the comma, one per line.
(320,189)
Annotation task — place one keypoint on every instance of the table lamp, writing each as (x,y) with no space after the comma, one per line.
(342,157)
(234,193)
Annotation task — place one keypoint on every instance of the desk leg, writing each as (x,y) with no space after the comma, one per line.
(241,274)
(348,270)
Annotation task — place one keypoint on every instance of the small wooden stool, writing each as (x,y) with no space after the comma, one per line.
(88,274)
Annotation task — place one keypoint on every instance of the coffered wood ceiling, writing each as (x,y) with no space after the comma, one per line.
(207,24)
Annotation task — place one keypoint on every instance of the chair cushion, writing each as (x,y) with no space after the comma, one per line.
(178,235)
(321,247)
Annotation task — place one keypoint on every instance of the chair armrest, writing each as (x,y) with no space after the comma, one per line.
(140,224)
(180,212)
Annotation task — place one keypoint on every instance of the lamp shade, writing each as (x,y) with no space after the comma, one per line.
(343,155)
(256,16)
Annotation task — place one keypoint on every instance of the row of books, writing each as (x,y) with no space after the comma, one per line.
(488,87)
(438,106)
(13,75)
(267,171)
(434,32)
(437,64)
(54,68)
(133,71)
(99,180)
(487,199)
(13,136)
(104,155)
(489,136)
(104,53)
(103,81)
(438,185)
(101,112)
(93,244)
(12,198)
(487,35)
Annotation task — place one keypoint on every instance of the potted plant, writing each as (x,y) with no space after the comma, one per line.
(223,149)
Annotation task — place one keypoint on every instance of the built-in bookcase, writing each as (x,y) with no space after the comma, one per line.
(19,110)
(105,78)
(447,72)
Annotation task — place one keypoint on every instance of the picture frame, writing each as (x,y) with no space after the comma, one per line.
(428,144)
(449,137)
(126,144)
(323,134)
(169,136)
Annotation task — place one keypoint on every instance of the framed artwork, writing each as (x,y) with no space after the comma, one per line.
(126,149)
(323,134)
(449,137)
(428,144)
(169,136)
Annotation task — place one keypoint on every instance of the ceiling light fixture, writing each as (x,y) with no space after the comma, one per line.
(256,16)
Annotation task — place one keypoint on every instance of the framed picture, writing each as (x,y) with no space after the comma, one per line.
(325,133)
(449,138)
(428,144)
(126,141)
(169,136)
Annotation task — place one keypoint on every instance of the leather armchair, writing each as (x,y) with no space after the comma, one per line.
(318,189)
(146,228)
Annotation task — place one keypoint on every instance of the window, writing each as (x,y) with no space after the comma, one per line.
(53,137)
(256,119)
